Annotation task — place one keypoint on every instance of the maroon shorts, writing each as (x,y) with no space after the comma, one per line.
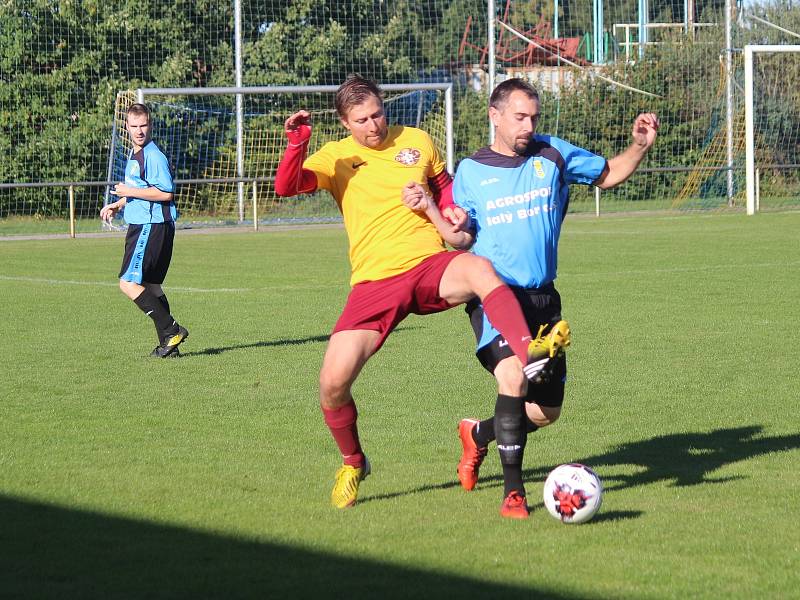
(380,305)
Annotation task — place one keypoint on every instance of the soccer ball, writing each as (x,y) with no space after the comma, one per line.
(573,493)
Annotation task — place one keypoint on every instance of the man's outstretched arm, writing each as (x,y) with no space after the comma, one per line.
(622,166)
(291,178)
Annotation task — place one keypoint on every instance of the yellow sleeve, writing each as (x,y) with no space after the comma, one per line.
(322,163)
(436,165)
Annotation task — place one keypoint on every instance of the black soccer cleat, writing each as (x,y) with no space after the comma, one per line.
(156,353)
(171,343)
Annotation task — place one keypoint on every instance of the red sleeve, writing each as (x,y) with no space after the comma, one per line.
(442,189)
(291,178)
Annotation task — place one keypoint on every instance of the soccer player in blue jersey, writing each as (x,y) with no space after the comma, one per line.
(146,197)
(514,195)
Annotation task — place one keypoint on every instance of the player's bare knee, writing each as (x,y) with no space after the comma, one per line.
(512,384)
(482,272)
(334,390)
(511,381)
(130,289)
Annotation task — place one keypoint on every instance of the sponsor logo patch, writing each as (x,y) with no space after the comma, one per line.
(408,156)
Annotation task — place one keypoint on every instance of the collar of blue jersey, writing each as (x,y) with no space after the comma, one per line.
(487,156)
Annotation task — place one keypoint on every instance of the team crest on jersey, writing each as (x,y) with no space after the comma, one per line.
(538,168)
(408,156)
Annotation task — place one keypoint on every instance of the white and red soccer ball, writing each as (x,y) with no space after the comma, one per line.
(573,493)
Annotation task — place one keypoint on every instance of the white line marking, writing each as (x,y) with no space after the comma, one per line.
(781,265)
(114,284)
(274,288)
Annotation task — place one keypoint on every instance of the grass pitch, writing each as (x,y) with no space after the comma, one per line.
(127,477)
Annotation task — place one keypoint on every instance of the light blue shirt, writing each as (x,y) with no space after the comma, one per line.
(149,168)
(517,205)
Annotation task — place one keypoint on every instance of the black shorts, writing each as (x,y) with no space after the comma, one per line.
(148,252)
(541,306)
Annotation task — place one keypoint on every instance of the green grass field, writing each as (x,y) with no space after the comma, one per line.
(209,476)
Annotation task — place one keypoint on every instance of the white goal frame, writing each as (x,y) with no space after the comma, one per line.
(447,88)
(750,160)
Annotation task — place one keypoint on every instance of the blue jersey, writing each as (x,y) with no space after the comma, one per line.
(517,204)
(149,168)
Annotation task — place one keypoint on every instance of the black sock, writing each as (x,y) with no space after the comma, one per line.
(512,480)
(173,328)
(154,308)
(164,302)
(510,432)
(483,433)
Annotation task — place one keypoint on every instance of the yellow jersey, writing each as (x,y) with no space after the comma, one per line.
(386,238)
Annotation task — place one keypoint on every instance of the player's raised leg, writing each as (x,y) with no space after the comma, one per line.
(545,349)
(347,353)
(468,276)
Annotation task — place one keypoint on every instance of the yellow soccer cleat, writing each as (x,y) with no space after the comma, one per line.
(543,349)
(345,488)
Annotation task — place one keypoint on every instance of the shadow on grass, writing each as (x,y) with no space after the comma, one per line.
(686,459)
(272,344)
(53,552)
(613,515)
(681,459)
(292,342)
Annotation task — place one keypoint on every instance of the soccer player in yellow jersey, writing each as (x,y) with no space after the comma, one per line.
(399,262)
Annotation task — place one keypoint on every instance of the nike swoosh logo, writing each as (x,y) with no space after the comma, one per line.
(356,165)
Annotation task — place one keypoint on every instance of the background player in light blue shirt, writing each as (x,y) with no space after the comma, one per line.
(149,209)
(513,196)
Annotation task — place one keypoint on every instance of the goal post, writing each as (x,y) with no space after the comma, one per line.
(750,132)
(447,88)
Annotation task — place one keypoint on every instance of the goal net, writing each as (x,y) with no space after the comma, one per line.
(596,66)
(772,108)
(198,132)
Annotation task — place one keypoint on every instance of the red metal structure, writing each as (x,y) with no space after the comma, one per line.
(513,51)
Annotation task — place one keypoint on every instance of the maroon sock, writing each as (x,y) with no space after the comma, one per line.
(343,426)
(502,309)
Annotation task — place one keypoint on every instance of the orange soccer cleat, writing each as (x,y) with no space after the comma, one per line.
(514,506)
(471,456)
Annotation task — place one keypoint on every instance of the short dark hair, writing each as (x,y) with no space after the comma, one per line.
(138,109)
(502,92)
(355,90)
